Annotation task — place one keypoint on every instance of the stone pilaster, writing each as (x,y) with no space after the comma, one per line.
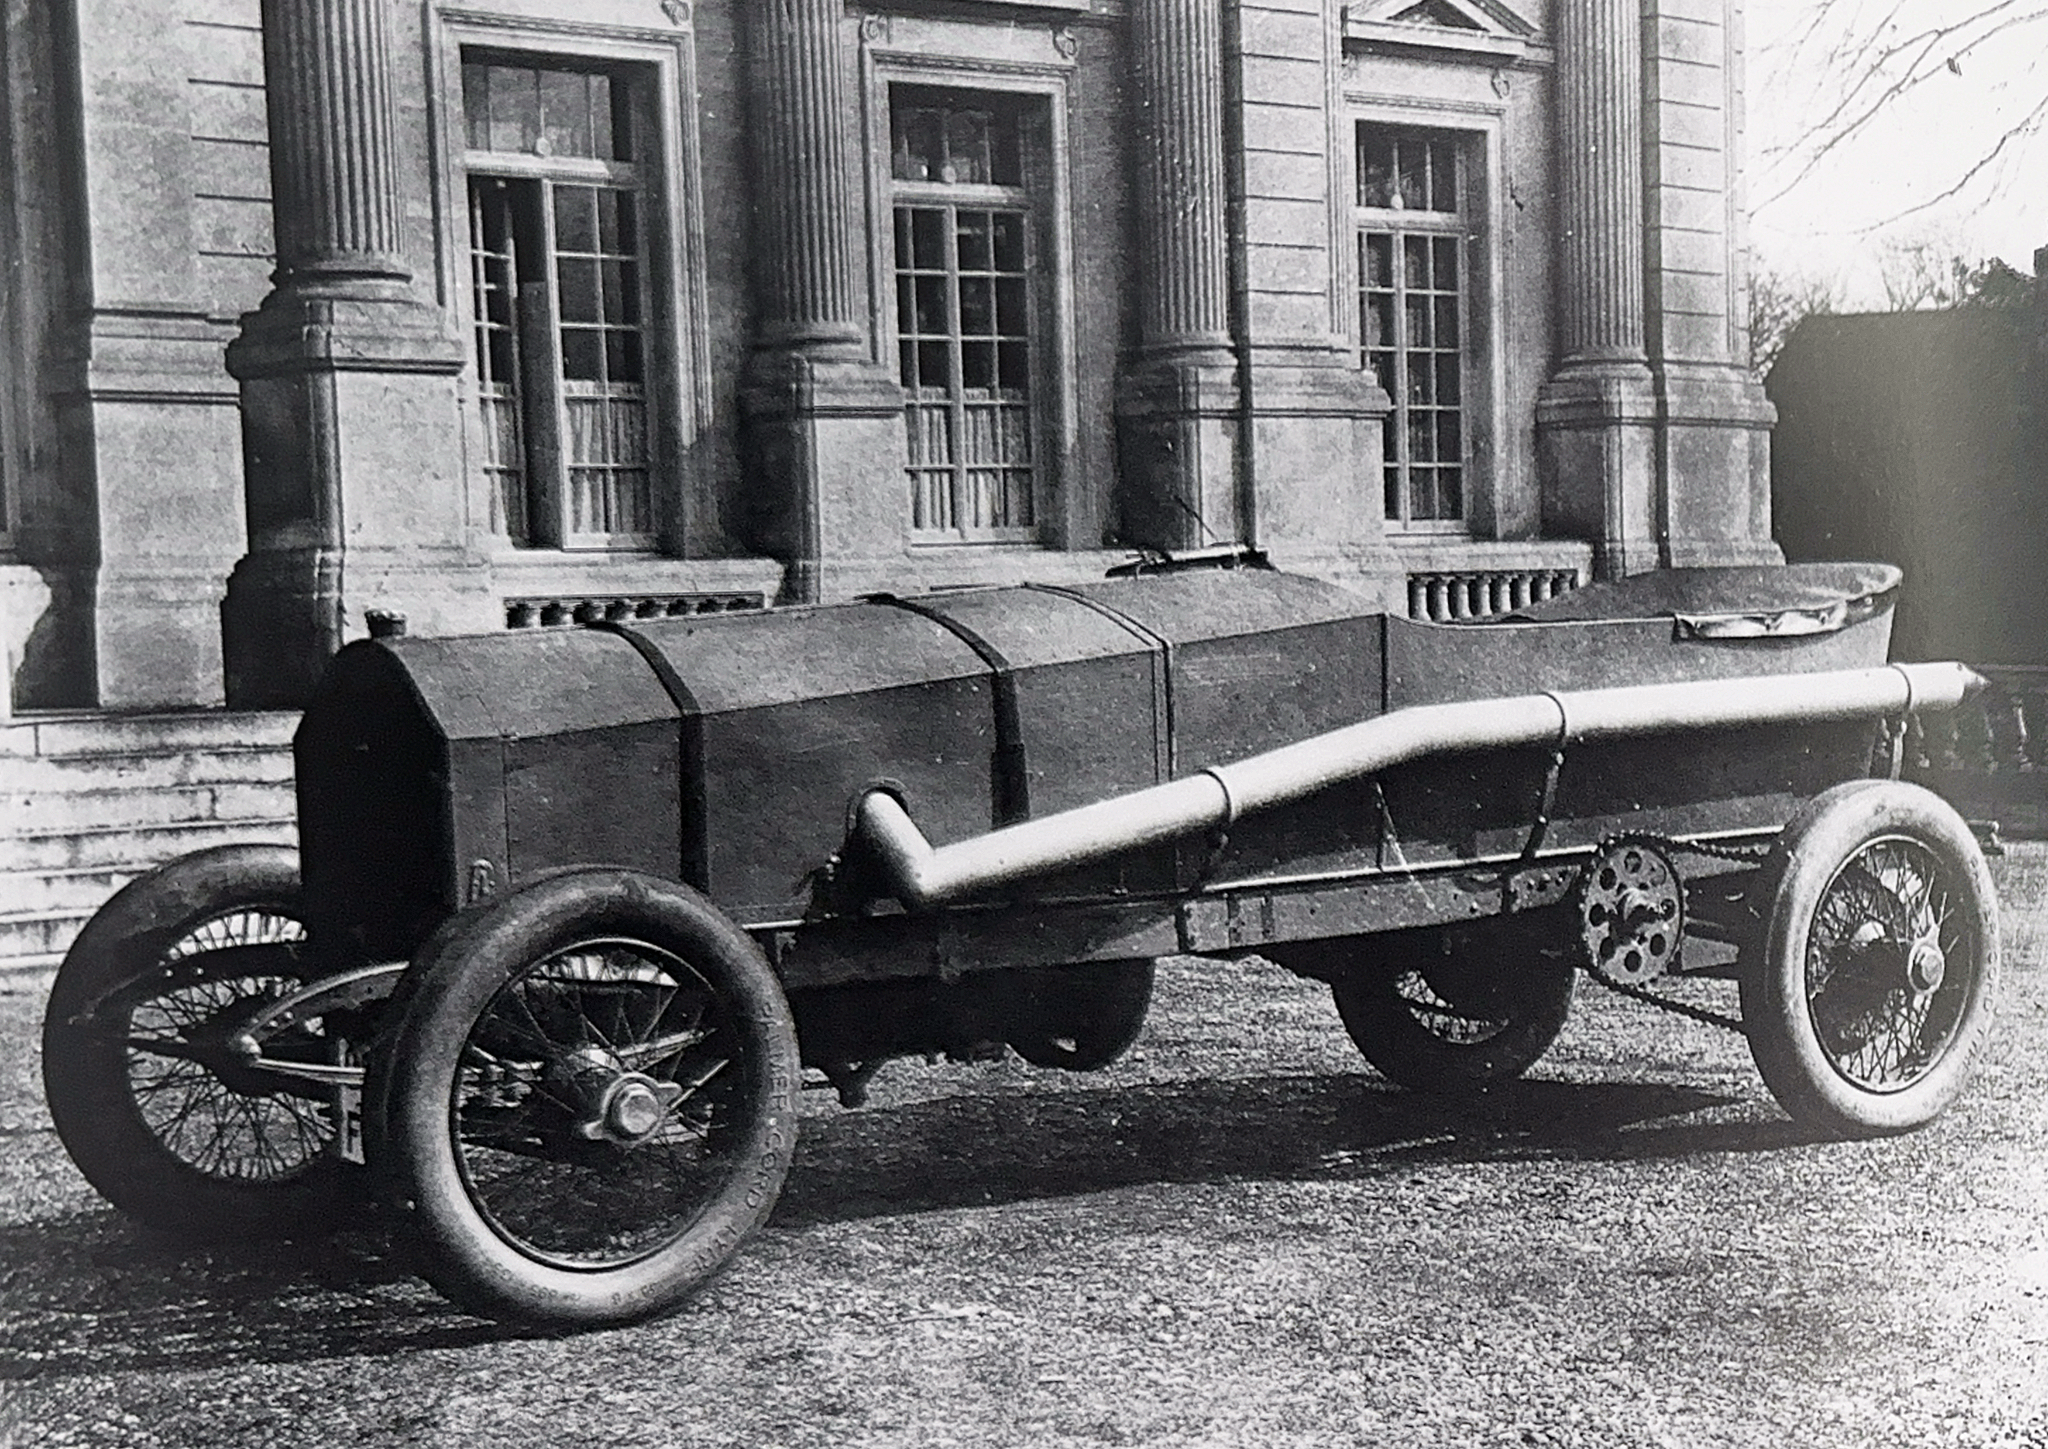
(823,420)
(1179,397)
(1597,414)
(1713,434)
(350,421)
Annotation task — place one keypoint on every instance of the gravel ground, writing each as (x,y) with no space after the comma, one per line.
(1237,1236)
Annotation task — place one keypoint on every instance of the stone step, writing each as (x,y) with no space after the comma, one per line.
(36,813)
(115,846)
(78,736)
(62,775)
(35,941)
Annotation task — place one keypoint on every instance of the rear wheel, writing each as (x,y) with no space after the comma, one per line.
(1458,1010)
(589,1101)
(1874,982)
(1081,1018)
(146,1096)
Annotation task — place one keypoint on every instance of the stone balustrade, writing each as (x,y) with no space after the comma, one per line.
(1990,757)
(564,610)
(1443,597)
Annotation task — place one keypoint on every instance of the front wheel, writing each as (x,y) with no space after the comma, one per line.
(147,1096)
(1457,1011)
(589,1101)
(1872,986)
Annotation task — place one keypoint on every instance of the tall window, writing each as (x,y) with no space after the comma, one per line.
(967,322)
(1414,313)
(559,278)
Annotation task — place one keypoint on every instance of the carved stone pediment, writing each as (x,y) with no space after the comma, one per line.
(1480,30)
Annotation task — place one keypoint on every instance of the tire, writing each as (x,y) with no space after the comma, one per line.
(182,1142)
(1873,983)
(1081,1018)
(1456,1012)
(587,1103)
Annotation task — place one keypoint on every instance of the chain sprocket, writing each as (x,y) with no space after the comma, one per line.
(1631,910)
(1614,930)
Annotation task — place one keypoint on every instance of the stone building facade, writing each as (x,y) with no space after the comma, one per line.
(488,312)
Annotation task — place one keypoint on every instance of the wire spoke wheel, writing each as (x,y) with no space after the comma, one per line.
(588,1100)
(1885,1006)
(593,1095)
(157,1110)
(220,1122)
(1873,985)
(1458,1010)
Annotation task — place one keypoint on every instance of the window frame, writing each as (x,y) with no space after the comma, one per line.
(660,66)
(992,199)
(1477,134)
(1039,91)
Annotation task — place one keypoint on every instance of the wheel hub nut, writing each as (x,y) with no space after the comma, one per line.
(634,1110)
(1926,966)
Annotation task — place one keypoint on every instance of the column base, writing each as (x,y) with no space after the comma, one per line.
(826,456)
(358,496)
(1714,465)
(1596,434)
(1178,448)
(1314,420)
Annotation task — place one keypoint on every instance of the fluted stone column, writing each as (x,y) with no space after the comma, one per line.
(1596,414)
(350,423)
(333,161)
(1600,181)
(810,220)
(824,421)
(1179,399)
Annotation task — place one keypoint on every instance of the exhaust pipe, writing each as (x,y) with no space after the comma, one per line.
(921,877)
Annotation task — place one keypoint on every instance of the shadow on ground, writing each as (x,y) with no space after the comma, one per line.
(88,1292)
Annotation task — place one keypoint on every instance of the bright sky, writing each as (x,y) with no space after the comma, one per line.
(1833,225)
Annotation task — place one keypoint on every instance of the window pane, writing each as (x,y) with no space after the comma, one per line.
(1014,367)
(514,108)
(928,240)
(918,150)
(1379,326)
(1449,381)
(615,229)
(1415,261)
(1375,170)
(1443,176)
(967,148)
(1446,330)
(622,356)
(621,293)
(977,365)
(608,123)
(582,355)
(1009,241)
(1378,263)
(977,253)
(1012,318)
(565,114)
(575,219)
(977,307)
(931,306)
(476,105)
(577,279)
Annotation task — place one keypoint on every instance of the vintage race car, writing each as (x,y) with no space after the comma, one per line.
(576,912)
